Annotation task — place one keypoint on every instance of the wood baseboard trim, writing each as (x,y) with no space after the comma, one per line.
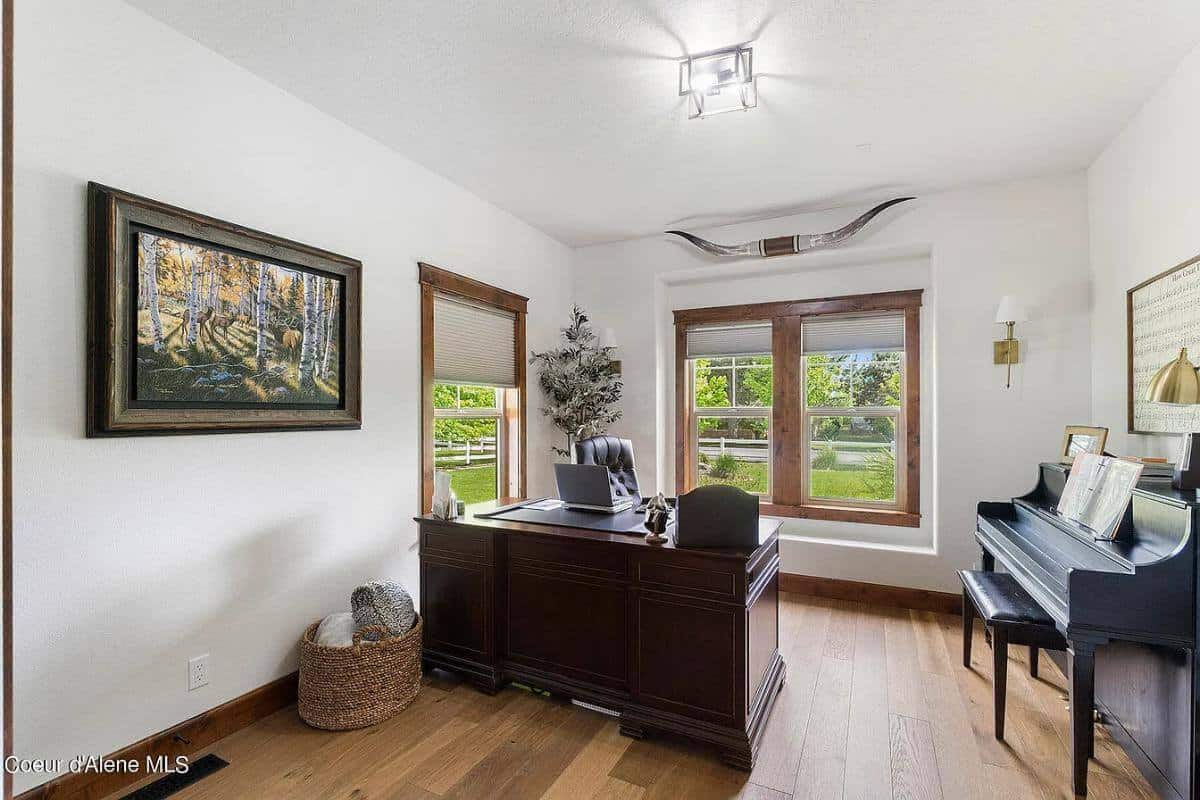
(873,593)
(185,739)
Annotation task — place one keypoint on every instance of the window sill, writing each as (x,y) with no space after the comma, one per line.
(869,516)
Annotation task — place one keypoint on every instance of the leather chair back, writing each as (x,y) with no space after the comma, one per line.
(617,455)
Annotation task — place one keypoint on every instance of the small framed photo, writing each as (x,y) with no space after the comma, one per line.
(1080,439)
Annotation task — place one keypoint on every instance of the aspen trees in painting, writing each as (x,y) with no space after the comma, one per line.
(217,327)
(197,325)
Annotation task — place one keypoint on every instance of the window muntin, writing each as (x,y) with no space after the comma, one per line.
(468,439)
(731,406)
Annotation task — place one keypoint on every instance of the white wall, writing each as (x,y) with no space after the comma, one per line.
(135,554)
(967,248)
(1144,208)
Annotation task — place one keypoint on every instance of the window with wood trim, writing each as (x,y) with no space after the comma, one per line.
(813,405)
(473,387)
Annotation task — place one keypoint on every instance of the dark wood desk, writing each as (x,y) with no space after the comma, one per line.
(677,640)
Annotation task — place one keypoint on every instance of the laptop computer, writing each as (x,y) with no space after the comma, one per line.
(587,487)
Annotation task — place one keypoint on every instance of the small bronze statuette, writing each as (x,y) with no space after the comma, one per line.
(658,514)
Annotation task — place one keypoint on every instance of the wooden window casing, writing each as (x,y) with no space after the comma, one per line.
(788,438)
(511,463)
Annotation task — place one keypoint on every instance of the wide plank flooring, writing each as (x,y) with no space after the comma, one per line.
(876,705)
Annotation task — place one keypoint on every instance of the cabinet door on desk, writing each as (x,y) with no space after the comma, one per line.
(688,652)
(456,604)
(570,625)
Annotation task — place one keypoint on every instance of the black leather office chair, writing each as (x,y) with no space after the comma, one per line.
(617,455)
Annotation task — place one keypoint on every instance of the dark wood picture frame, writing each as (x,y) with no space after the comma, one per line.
(1129,345)
(113,218)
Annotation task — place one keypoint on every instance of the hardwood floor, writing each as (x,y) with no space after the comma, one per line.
(876,705)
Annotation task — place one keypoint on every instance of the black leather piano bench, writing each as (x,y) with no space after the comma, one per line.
(1012,617)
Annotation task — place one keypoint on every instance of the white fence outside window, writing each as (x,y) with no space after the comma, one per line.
(465,453)
(758,450)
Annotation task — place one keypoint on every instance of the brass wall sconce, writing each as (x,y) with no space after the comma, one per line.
(1007,351)
(1178,384)
(608,341)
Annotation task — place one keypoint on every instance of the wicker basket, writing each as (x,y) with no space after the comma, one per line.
(352,687)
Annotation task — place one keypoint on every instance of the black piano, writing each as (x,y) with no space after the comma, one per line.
(1128,611)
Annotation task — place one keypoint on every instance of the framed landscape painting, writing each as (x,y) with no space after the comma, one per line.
(201,326)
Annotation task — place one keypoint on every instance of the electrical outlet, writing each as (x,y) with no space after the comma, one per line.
(197,672)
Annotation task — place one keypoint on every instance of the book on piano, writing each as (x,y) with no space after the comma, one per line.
(1098,491)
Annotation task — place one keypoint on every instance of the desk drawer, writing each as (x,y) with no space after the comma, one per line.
(675,572)
(766,560)
(582,558)
(456,541)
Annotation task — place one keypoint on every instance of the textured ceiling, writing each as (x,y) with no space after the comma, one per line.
(565,112)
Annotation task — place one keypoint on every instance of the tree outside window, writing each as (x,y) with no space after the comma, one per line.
(852,406)
(732,407)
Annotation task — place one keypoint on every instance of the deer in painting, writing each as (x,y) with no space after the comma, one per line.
(204,323)
(290,342)
(221,323)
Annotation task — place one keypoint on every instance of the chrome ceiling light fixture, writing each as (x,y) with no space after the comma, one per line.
(718,81)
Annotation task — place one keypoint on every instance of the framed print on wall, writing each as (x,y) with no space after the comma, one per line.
(1161,317)
(196,325)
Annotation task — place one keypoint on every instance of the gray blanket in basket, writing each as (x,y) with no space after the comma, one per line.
(385,603)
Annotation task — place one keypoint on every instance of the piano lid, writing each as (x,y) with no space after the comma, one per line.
(1145,534)
(1140,586)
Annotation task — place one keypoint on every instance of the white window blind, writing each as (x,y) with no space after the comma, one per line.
(851,334)
(473,344)
(729,340)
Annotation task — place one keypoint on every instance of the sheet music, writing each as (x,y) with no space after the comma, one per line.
(1098,491)
(1165,317)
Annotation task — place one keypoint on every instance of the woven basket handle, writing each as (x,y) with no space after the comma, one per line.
(358,634)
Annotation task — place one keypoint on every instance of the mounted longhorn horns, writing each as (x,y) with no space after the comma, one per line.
(789,245)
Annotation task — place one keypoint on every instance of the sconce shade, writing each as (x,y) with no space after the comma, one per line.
(1176,383)
(1011,310)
